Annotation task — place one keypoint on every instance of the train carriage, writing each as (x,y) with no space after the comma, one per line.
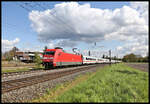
(113,61)
(100,60)
(106,61)
(89,60)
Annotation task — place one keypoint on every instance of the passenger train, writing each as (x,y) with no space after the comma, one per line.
(57,57)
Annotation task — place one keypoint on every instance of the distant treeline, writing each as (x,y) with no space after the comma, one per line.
(130,58)
(135,58)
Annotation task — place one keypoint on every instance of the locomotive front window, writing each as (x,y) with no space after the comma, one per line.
(49,53)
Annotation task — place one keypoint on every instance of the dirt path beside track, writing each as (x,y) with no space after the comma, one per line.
(141,66)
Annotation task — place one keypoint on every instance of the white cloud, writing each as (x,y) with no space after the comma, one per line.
(136,48)
(32,49)
(80,23)
(119,48)
(51,45)
(9,44)
(142,8)
(74,23)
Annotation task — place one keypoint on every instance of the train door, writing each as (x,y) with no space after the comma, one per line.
(82,59)
(60,59)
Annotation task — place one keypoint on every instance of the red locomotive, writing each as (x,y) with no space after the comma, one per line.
(57,57)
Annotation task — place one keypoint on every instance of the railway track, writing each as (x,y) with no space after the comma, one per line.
(7,74)
(19,83)
(21,72)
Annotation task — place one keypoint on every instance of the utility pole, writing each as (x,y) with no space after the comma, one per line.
(110,57)
(117,57)
(89,53)
(95,43)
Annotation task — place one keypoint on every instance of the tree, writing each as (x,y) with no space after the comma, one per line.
(14,49)
(106,57)
(37,60)
(10,54)
(145,59)
(135,58)
(115,57)
(130,58)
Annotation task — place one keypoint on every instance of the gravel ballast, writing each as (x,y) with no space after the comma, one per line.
(140,66)
(31,92)
(35,73)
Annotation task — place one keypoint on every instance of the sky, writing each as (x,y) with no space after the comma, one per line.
(121,27)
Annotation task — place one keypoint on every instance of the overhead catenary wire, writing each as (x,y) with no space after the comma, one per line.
(40,6)
(60,20)
(24,7)
(57,17)
(51,22)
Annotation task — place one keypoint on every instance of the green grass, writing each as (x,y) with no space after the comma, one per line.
(118,83)
(137,62)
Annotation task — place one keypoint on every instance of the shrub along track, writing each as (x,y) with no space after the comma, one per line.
(19,83)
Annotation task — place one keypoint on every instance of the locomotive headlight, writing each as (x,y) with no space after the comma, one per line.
(51,58)
(48,58)
(45,58)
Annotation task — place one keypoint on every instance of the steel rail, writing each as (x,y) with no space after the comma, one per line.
(19,83)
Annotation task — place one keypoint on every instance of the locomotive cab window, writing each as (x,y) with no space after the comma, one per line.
(49,53)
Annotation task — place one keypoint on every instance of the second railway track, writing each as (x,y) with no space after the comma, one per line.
(19,83)
(17,73)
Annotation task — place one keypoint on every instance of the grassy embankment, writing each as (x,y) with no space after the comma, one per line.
(137,62)
(118,83)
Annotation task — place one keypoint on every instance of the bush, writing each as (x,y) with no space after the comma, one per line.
(37,60)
